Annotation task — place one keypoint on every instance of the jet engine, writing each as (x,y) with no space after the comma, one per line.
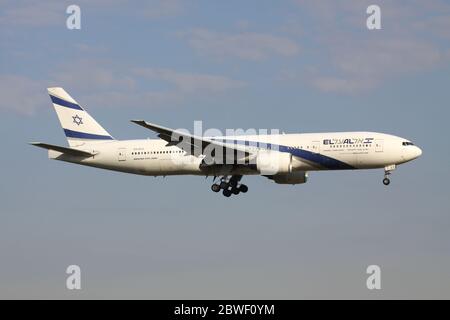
(290,178)
(274,163)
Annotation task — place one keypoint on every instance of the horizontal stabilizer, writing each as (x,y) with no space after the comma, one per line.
(65,150)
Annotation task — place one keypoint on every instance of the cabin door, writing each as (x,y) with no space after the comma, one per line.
(316,146)
(122,154)
(378,145)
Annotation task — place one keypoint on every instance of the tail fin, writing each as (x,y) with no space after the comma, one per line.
(79,127)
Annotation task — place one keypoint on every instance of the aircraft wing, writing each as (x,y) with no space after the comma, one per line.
(65,150)
(196,145)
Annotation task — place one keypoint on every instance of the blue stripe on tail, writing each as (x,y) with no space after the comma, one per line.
(65,103)
(83,135)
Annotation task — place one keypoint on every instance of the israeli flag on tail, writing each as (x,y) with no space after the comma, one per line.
(79,127)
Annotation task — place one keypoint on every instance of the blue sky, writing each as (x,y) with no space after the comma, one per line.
(297,66)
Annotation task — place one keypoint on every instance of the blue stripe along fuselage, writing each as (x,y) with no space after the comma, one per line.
(320,159)
(324,161)
(65,103)
(83,135)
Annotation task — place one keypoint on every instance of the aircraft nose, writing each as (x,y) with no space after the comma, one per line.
(418,152)
(411,152)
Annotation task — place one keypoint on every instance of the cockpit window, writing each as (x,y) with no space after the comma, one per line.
(407,143)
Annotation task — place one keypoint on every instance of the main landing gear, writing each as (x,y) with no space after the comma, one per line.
(387,171)
(230,186)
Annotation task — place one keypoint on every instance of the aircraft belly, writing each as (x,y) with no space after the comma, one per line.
(179,165)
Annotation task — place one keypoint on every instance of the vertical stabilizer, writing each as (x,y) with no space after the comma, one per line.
(79,127)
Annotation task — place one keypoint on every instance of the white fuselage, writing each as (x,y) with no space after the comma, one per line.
(311,151)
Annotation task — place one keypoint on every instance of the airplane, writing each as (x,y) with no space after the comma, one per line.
(283,158)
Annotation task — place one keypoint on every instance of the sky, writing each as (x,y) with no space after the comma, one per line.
(294,65)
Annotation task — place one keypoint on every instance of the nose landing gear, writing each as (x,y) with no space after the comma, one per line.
(387,171)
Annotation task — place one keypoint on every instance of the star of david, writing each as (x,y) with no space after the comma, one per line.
(78,120)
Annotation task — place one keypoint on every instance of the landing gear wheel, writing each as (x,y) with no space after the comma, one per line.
(215,188)
(386,181)
(243,188)
(224,185)
(235,191)
(227,193)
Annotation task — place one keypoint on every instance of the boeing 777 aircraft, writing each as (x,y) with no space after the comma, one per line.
(284,158)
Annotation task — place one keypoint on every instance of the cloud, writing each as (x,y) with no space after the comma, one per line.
(413,39)
(343,85)
(362,68)
(163,8)
(87,75)
(49,13)
(21,94)
(33,14)
(192,82)
(105,84)
(244,45)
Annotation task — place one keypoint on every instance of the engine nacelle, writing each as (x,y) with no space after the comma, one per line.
(272,162)
(291,178)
